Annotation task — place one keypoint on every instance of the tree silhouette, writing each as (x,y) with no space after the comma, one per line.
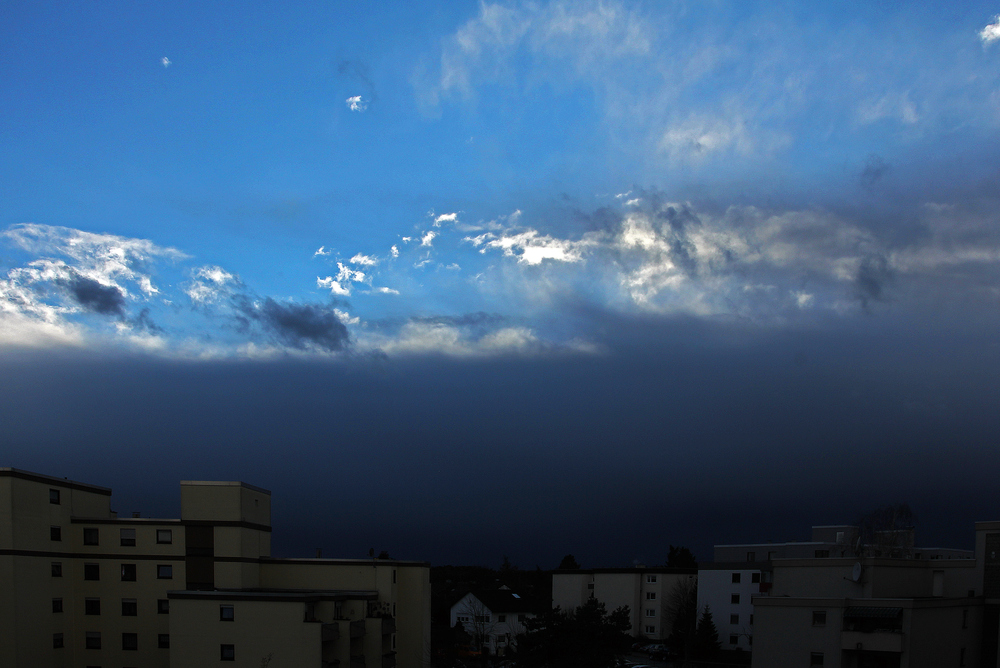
(706,637)
(569,563)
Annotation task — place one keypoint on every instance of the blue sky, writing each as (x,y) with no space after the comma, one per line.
(494,183)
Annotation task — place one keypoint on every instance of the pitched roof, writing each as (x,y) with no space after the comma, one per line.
(505,600)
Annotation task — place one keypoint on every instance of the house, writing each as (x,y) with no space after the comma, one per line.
(644,590)
(493,618)
(80,586)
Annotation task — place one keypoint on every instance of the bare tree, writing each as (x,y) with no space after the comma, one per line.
(886,532)
(481,622)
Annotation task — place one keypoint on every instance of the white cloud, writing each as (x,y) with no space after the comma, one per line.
(445,218)
(333,285)
(165,61)
(386,291)
(345,317)
(428,238)
(322,251)
(341,284)
(394,251)
(356,103)
(700,136)
(530,247)
(364,260)
(991,32)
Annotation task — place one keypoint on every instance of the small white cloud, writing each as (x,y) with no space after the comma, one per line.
(387,291)
(356,103)
(364,260)
(341,285)
(166,61)
(634,202)
(421,264)
(428,238)
(445,218)
(345,317)
(623,195)
(322,251)
(407,240)
(394,251)
(991,33)
(333,285)
(453,267)
(803,299)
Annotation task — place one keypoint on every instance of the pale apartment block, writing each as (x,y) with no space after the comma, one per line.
(644,590)
(82,587)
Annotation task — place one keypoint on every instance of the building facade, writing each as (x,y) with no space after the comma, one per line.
(644,590)
(493,618)
(82,587)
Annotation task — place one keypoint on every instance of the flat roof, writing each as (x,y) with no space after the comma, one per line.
(638,569)
(294,595)
(11,472)
(225,483)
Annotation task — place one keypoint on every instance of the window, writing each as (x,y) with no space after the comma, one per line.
(92,606)
(226,613)
(91,571)
(734,619)
(816,659)
(751,556)
(55,533)
(590,586)
(501,618)
(128,572)
(651,579)
(227,652)
(734,599)
(54,496)
(163,606)
(751,619)
(91,536)
(164,571)
(130,608)
(393,642)
(736,578)
(733,638)
(840,538)
(819,618)
(755,578)
(394,576)
(128,537)
(821,554)
(482,618)
(965,619)
(163,641)
(772,555)
(57,605)
(130,641)
(57,641)
(650,595)
(651,612)
(164,536)
(961,657)
(93,640)
(462,618)
(57,569)
(650,630)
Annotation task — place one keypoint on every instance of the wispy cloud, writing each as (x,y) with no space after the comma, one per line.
(356,103)
(991,32)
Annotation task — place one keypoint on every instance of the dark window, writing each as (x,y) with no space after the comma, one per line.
(57,569)
(164,536)
(736,578)
(734,619)
(650,595)
(965,619)
(961,657)
(164,571)
(501,618)
(226,613)
(751,556)
(751,619)
(130,608)
(93,640)
(57,641)
(821,554)
(163,641)
(55,533)
(394,576)
(755,578)
(54,496)
(227,652)
(819,618)
(162,606)
(128,537)
(130,641)
(57,605)
(651,579)
(92,606)
(734,599)
(91,536)
(733,639)
(816,659)
(128,572)
(91,571)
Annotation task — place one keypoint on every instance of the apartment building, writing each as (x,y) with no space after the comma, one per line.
(742,573)
(644,590)
(81,587)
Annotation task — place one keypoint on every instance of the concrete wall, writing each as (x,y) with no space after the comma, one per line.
(715,590)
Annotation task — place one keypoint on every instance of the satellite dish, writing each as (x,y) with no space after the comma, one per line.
(856,571)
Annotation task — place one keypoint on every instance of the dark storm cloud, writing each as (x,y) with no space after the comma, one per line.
(875,169)
(297,325)
(95,297)
(144,322)
(872,279)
